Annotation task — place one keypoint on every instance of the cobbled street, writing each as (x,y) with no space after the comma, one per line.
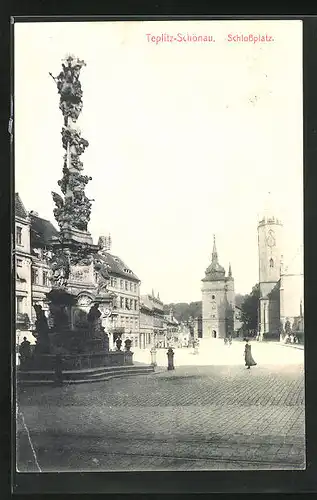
(207,414)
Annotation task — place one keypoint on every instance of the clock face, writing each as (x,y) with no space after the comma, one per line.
(270,240)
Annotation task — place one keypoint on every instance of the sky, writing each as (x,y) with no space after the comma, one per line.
(185,140)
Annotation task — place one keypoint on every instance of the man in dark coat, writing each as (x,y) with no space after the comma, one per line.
(249,361)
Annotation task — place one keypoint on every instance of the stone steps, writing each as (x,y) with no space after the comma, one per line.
(38,377)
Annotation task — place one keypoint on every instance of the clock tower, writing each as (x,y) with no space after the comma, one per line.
(270,261)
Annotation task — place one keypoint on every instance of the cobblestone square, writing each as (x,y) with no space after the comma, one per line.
(196,417)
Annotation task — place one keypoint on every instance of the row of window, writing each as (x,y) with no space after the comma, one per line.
(124,285)
(128,322)
(129,304)
(36,278)
(36,275)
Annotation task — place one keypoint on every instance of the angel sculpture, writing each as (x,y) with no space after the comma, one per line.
(58,200)
(61,270)
(103,277)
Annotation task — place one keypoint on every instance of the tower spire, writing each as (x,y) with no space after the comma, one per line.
(230,271)
(301,308)
(214,252)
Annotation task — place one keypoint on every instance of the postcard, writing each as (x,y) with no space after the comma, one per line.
(159,284)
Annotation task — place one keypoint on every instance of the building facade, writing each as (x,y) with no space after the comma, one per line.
(32,271)
(23,267)
(218,300)
(125,285)
(42,231)
(147,339)
(281,287)
(159,321)
(270,259)
(173,332)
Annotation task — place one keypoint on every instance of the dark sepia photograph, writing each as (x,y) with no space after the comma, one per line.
(158,249)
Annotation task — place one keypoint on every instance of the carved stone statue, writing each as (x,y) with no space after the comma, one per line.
(69,88)
(94,320)
(42,330)
(60,266)
(71,137)
(59,317)
(103,277)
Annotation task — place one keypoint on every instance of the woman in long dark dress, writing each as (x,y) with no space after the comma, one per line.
(249,361)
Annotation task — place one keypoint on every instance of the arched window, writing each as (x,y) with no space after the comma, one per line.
(271,263)
(213,297)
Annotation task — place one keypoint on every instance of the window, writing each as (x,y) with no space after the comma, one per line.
(127,304)
(135,287)
(19,262)
(136,305)
(45,278)
(213,297)
(121,284)
(115,282)
(35,276)
(131,304)
(271,263)
(122,302)
(19,305)
(19,235)
(131,287)
(126,285)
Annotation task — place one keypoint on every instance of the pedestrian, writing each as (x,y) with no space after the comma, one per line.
(25,350)
(249,361)
(230,339)
(225,340)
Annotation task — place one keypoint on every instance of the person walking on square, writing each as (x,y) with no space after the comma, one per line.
(25,350)
(249,361)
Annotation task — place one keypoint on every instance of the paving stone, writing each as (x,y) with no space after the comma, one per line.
(196,417)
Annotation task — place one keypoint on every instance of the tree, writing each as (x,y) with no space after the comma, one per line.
(287,327)
(239,299)
(249,310)
(183,311)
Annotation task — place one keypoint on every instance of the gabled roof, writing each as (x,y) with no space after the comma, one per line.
(146,302)
(20,208)
(42,231)
(117,266)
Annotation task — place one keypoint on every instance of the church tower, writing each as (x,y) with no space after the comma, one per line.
(270,231)
(217,300)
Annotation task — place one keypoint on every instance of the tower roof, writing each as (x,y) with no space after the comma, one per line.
(215,271)
(230,271)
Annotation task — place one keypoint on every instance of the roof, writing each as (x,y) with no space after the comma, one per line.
(42,231)
(20,208)
(117,266)
(146,302)
(215,271)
